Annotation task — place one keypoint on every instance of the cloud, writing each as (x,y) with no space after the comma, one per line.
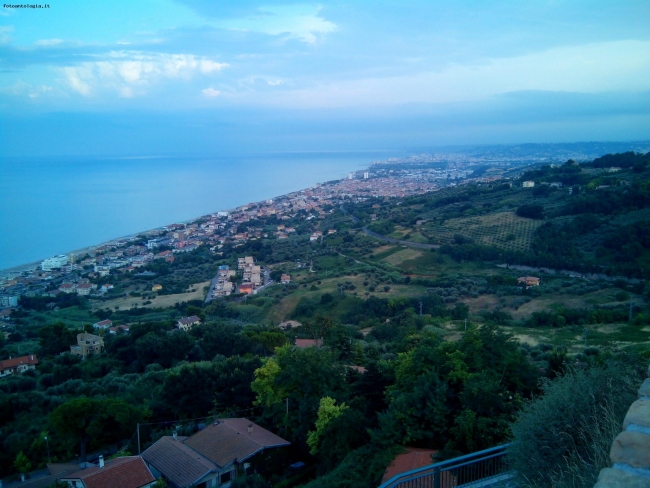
(22,89)
(48,42)
(290,21)
(5,33)
(210,92)
(129,73)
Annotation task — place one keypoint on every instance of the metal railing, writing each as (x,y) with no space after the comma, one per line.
(476,469)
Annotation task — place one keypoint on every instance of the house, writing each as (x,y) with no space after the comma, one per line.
(119,328)
(285,279)
(414,458)
(122,472)
(87,344)
(246,288)
(84,289)
(288,324)
(156,287)
(17,365)
(528,184)
(528,281)
(103,324)
(106,287)
(186,323)
(305,343)
(215,455)
(68,288)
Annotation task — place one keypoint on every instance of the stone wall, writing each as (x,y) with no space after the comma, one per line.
(630,453)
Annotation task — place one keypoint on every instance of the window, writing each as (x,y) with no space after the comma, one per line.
(226,477)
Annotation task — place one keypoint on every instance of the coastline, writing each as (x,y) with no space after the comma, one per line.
(15,270)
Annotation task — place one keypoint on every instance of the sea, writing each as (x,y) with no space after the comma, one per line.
(52,206)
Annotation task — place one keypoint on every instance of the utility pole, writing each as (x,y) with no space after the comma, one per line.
(420,309)
(287,401)
(138,438)
(585,334)
(48,449)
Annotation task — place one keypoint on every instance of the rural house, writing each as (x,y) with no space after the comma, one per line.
(17,365)
(186,323)
(122,472)
(215,455)
(87,344)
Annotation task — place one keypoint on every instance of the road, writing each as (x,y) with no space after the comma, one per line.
(370,233)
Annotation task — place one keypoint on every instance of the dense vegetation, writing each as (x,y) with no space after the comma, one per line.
(429,348)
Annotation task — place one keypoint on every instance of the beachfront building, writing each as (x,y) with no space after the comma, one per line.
(54,262)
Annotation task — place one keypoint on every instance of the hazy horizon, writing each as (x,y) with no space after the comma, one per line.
(197,77)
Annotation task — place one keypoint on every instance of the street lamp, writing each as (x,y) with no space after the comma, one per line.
(48,449)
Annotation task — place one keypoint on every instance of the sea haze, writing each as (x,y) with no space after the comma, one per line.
(52,206)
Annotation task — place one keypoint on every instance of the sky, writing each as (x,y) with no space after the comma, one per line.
(161,77)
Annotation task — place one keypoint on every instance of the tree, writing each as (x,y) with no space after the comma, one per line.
(326,412)
(22,463)
(95,421)
(531,211)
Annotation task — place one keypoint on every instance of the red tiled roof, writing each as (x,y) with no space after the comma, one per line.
(303,343)
(124,472)
(15,362)
(104,322)
(413,459)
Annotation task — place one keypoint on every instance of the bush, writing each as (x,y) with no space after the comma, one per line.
(562,438)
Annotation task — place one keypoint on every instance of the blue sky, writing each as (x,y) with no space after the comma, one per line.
(165,76)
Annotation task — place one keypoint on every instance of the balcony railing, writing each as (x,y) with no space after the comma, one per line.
(479,469)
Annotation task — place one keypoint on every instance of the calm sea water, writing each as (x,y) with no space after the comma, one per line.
(54,206)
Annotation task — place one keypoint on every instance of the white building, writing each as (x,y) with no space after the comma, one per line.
(54,262)
(528,184)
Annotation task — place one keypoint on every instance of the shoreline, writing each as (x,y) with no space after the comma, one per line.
(31,266)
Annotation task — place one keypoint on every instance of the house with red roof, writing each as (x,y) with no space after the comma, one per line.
(413,458)
(18,365)
(305,343)
(122,472)
(103,324)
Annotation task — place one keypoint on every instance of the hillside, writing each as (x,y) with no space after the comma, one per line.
(429,347)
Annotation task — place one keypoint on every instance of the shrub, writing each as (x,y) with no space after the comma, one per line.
(562,438)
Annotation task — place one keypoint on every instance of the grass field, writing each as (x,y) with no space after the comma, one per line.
(161,301)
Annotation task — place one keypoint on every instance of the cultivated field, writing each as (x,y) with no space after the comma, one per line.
(504,230)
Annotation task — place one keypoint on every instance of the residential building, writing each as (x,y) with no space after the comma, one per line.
(285,279)
(215,455)
(186,323)
(87,344)
(103,324)
(54,262)
(246,288)
(84,289)
(157,287)
(122,472)
(528,281)
(8,300)
(18,365)
(528,184)
(68,287)
(119,328)
(413,458)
